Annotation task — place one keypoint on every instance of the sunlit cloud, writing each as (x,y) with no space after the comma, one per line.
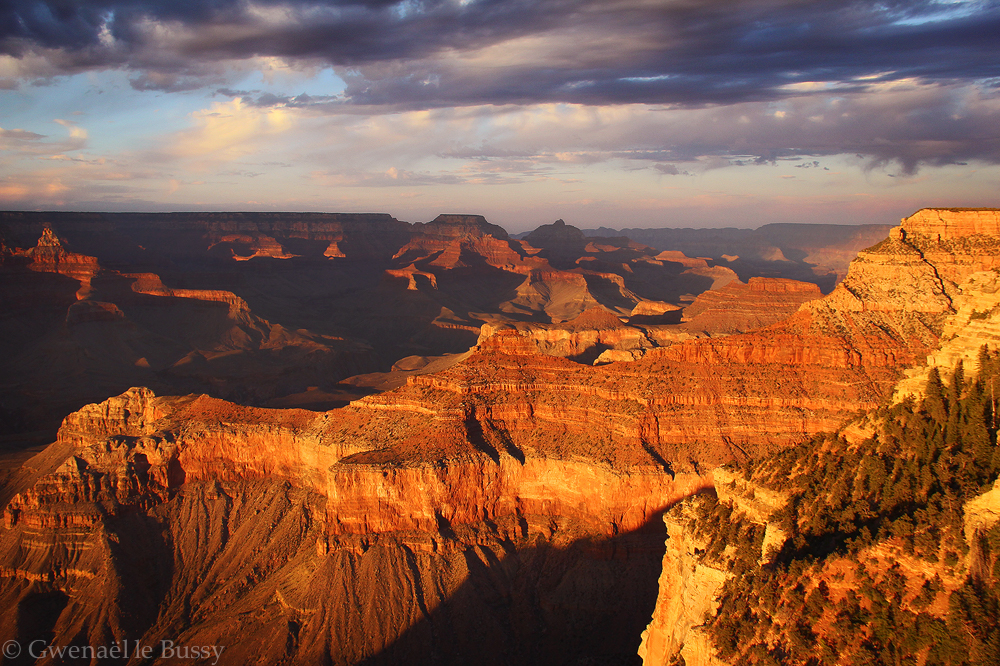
(227,131)
(661,109)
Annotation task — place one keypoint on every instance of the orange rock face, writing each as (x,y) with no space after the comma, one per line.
(49,256)
(952,223)
(398,461)
(739,307)
(498,507)
(581,338)
(443,241)
(335,525)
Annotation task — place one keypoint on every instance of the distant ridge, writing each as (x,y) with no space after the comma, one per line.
(795,241)
(734,241)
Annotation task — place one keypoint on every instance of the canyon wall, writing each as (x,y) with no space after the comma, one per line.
(77,331)
(928,295)
(687,594)
(504,506)
(368,534)
(739,307)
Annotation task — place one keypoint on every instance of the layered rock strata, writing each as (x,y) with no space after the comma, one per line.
(932,283)
(392,528)
(689,585)
(375,532)
(739,307)
(596,330)
(687,594)
(76,331)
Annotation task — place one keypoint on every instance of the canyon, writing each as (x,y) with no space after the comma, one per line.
(497,427)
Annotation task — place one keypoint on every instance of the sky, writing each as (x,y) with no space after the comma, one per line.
(618,113)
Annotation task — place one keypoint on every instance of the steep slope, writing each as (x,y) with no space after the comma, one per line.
(503,506)
(888,548)
(880,541)
(476,271)
(370,532)
(76,332)
(739,307)
(595,333)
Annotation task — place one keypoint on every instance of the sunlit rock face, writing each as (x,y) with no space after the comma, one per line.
(501,510)
(927,296)
(739,307)
(888,313)
(687,593)
(375,532)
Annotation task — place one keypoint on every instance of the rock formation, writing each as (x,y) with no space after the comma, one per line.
(739,307)
(687,593)
(330,500)
(935,276)
(500,508)
(807,252)
(583,338)
(76,331)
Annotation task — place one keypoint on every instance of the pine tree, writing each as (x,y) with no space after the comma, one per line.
(935,403)
(958,381)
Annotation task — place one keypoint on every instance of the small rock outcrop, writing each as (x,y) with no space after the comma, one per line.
(687,594)
(739,307)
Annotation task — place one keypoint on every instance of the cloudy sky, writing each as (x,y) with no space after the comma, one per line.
(615,112)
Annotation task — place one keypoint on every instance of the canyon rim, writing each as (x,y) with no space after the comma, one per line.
(346,439)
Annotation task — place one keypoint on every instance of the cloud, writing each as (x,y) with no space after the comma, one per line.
(909,124)
(906,124)
(667,169)
(392,177)
(26,143)
(224,132)
(19,135)
(75,131)
(433,53)
(440,92)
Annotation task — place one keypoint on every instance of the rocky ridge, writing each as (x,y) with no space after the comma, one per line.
(739,307)
(364,478)
(954,254)
(77,331)
(381,530)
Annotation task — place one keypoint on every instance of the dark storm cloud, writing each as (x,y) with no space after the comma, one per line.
(709,53)
(907,82)
(410,54)
(338,32)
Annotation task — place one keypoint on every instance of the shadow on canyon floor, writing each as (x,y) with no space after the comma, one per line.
(583,603)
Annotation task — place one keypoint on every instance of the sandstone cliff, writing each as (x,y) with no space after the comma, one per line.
(585,338)
(501,506)
(931,289)
(687,595)
(373,532)
(739,307)
(691,582)
(742,395)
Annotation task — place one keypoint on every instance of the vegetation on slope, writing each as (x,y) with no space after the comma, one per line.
(876,569)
